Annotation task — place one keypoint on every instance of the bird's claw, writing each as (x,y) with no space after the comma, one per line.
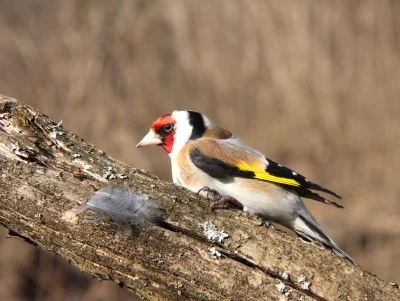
(225,200)
(218,198)
(209,191)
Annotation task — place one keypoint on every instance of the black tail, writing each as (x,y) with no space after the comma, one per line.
(306,193)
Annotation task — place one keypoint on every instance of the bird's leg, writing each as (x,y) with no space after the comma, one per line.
(209,191)
(225,200)
(218,198)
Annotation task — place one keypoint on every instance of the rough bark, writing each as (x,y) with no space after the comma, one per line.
(47,171)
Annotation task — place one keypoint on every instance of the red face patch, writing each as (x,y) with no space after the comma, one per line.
(169,143)
(162,126)
(162,121)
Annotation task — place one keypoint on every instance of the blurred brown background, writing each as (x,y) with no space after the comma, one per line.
(313,84)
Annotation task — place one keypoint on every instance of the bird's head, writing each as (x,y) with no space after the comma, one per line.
(173,131)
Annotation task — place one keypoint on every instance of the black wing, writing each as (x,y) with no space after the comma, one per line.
(274,172)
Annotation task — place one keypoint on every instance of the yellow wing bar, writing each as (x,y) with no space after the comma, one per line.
(260,173)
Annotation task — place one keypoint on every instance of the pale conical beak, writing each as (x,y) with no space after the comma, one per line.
(150,139)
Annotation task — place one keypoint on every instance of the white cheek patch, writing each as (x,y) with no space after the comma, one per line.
(183,131)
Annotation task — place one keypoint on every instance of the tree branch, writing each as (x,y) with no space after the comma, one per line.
(47,171)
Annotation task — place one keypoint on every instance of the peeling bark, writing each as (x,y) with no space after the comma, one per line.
(47,171)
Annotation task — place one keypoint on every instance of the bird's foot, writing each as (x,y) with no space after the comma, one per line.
(225,200)
(209,192)
(218,198)
(266,224)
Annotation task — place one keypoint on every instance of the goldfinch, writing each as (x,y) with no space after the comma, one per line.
(207,157)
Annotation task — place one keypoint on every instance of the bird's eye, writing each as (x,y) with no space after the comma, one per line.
(168,128)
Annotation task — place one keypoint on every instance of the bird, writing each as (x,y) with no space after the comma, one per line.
(208,159)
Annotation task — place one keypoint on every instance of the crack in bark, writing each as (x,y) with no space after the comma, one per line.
(242,260)
(272,274)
